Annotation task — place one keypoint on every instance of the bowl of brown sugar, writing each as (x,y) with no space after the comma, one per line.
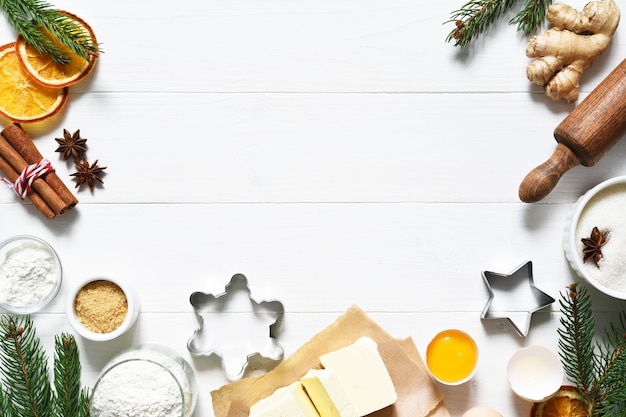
(102,308)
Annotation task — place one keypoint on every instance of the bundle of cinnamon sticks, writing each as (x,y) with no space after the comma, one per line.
(47,193)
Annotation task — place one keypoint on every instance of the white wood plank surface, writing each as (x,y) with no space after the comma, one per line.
(335,152)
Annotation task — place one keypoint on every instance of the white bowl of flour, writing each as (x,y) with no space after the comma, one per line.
(602,207)
(30,274)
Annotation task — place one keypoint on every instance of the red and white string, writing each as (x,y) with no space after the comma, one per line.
(25,180)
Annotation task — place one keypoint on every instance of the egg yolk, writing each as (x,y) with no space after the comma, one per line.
(451,356)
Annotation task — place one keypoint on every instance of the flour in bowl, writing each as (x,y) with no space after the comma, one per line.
(28,274)
(137,388)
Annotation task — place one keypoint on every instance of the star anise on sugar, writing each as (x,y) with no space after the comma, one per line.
(87,174)
(592,251)
(71,144)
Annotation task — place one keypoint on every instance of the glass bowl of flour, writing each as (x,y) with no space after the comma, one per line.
(604,208)
(147,380)
(30,274)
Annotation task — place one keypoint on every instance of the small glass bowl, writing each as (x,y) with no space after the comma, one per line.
(29,299)
(615,189)
(129,320)
(133,363)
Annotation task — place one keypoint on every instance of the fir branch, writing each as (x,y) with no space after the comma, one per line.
(84,401)
(576,347)
(531,16)
(24,367)
(475,16)
(69,399)
(5,405)
(35,19)
(611,387)
(25,387)
(598,369)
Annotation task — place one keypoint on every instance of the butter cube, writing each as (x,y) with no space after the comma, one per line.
(288,401)
(363,375)
(327,394)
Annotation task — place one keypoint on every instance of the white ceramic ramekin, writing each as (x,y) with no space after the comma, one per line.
(571,242)
(131,316)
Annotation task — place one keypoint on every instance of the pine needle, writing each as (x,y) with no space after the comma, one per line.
(597,367)
(33,19)
(5,406)
(611,388)
(576,337)
(531,17)
(67,376)
(24,367)
(25,387)
(475,16)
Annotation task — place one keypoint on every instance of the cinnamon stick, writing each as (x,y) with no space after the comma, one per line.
(38,202)
(15,160)
(23,144)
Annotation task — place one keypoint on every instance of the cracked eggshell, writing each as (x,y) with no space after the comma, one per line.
(535,373)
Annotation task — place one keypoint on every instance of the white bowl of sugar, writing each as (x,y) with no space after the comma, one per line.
(595,237)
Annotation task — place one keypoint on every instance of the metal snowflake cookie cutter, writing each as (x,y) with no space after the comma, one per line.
(514,297)
(235,327)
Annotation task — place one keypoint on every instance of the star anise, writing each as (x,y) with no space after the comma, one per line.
(71,145)
(593,245)
(87,174)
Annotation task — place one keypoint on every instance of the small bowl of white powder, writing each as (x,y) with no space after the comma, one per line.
(595,237)
(145,381)
(30,274)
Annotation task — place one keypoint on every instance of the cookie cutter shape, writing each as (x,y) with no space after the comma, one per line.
(514,297)
(235,327)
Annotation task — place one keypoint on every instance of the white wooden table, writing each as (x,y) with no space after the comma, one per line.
(336,152)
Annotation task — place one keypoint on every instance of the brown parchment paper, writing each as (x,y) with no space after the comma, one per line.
(418,396)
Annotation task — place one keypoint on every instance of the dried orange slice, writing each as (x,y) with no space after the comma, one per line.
(565,403)
(21,98)
(49,73)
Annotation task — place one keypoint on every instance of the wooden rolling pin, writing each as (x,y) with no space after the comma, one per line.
(584,136)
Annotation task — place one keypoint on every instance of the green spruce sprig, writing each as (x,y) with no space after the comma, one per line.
(25,388)
(69,399)
(596,366)
(475,16)
(33,18)
(532,16)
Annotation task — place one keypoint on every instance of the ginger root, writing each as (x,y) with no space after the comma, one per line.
(570,46)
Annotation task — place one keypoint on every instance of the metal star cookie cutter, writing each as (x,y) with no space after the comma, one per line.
(514,297)
(235,327)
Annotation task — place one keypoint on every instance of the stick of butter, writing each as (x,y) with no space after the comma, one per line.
(363,375)
(327,393)
(288,401)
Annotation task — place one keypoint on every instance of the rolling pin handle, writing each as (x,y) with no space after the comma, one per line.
(541,181)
